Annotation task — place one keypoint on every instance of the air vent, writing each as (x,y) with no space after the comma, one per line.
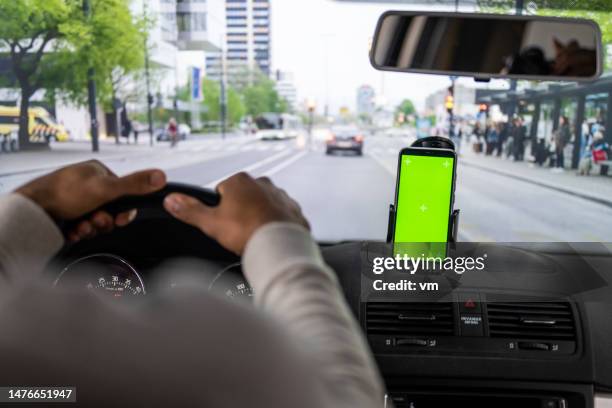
(409,318)
(535,320)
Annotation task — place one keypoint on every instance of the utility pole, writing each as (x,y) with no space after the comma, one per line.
(148,77)
(175,103)
(518,10)
(91,93)
(449,104)
(223,89)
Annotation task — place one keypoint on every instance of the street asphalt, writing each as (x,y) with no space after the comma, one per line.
(347,197)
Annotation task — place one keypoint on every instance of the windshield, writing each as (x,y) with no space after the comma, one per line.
(533,157)
(269,122)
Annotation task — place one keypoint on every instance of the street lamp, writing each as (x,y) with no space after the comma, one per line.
(150,99)
(311,105)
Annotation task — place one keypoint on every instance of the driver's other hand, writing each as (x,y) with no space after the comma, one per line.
(246,204)
(76,190)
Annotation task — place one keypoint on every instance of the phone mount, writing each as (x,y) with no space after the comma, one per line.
(431,142)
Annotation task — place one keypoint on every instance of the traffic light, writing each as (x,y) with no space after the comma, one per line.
(449,103)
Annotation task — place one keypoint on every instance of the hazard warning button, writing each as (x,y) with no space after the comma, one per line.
(469,302)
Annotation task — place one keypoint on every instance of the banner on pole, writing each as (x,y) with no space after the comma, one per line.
(196,84)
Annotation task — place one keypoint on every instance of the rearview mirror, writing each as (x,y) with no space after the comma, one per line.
(488,46)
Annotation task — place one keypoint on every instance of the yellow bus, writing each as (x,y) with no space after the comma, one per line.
(41,125)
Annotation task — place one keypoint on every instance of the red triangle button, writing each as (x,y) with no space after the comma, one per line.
(469,304)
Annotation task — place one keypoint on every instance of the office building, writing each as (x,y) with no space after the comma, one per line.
(247,44)
(286,89)
(366,101)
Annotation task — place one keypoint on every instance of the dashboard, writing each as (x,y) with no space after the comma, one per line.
(534,334)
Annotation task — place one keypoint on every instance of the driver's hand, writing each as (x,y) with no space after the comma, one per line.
(76,190)
(246,204)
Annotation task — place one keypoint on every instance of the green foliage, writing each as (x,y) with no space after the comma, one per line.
(212,95)
(53,44)
(406,107)
(112,41)
(599,11)
(508,6)
(261,96)
(602,18)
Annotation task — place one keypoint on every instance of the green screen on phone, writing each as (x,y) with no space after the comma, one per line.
(423,204)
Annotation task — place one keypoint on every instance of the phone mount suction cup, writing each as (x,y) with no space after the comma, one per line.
(434,142)
(430,142)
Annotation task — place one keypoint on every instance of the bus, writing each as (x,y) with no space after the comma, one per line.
(278,126)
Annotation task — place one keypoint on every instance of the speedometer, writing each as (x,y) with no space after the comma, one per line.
(104,273)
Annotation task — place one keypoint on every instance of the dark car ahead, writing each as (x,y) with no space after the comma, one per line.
(345,138)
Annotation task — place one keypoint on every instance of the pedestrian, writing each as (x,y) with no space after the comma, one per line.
(503,136)
(562,137)
(601,151)
(477,132)
(126,124)
(173,132)
(518,136)
(492,138)
(586,159)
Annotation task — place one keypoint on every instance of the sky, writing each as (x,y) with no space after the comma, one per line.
(325,45)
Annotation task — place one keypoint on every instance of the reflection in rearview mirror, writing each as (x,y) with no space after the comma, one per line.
(521,47)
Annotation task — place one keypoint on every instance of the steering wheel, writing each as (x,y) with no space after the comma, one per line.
(154,227)
(151,205)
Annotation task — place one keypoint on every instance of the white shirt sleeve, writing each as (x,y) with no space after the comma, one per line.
(28,238)
(292,282)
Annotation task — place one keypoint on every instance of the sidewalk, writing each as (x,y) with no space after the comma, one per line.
(594,187)
(64,153)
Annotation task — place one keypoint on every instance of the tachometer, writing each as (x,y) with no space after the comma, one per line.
(106,273)
(231,283)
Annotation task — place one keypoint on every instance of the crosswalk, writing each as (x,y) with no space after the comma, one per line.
(238,145)
(380,146)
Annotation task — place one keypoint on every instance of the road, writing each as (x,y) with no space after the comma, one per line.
(347,197)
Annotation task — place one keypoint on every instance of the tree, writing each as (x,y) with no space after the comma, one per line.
(406,107)
(262,97)
(235,106)
(52,44)
(597,10)
(602,18)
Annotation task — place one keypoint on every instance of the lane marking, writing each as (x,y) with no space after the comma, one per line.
(250,168)
(383,164)
(284,164)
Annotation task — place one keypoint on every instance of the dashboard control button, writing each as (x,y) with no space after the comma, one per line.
(554,403)
(530,345)
(411,342)
(469,303)
(471,325)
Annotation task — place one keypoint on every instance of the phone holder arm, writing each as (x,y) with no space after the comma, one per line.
(453,229)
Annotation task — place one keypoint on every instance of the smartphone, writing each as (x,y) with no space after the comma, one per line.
(424,197)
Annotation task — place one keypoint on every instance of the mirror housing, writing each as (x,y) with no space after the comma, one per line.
(488,46)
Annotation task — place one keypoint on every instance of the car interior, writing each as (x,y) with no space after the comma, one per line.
(532,330)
